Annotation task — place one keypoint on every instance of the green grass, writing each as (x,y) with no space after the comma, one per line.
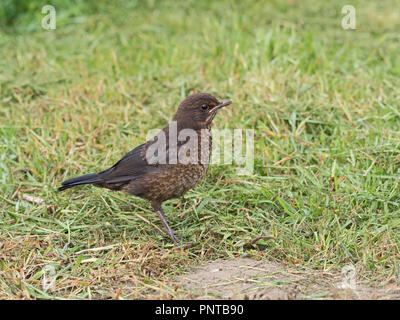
(323,101)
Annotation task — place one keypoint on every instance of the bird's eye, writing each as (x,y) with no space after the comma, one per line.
(204,107)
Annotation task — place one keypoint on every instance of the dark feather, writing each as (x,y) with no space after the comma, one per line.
(77,181)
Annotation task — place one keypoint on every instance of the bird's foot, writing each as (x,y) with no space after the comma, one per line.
(184,246)
(169,230)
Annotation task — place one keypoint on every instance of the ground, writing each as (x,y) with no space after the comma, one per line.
(250,279)
(324,106)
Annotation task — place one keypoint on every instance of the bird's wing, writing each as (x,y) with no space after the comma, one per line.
(142,160)
(130,166)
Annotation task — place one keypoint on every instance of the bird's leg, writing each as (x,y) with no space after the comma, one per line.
(157,207)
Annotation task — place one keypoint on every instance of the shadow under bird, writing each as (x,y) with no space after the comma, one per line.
(166,166)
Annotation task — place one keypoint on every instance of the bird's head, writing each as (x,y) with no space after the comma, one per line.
(198,110)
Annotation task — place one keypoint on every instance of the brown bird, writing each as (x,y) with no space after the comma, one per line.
(168,165)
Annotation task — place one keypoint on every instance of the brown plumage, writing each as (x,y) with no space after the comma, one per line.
(164,167)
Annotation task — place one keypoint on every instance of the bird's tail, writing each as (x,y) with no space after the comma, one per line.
(85,179)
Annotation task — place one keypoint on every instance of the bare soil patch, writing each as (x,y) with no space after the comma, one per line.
(250,279)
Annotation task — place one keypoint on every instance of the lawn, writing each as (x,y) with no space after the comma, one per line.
(323,103)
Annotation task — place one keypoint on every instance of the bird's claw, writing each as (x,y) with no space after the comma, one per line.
(184,246)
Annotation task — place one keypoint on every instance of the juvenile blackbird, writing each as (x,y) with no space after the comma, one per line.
(168,165)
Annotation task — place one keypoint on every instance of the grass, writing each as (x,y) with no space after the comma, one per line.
(323,101)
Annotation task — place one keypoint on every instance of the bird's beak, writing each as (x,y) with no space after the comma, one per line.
(221,104)
(224,103)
